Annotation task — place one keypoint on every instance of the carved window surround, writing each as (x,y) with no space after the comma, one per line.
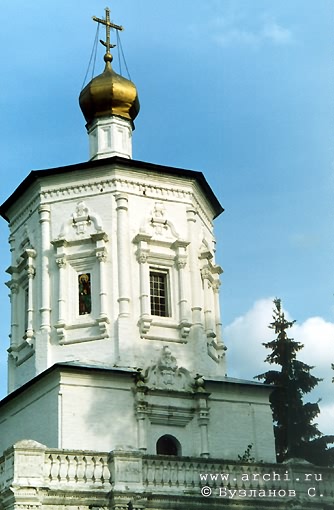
(87,254)
(210,278)
(22,287)
(161,381)
(170,257)
(178,415)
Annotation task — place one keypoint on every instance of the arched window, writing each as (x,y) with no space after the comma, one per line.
(168,445)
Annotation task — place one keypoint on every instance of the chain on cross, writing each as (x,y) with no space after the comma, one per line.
(108,24)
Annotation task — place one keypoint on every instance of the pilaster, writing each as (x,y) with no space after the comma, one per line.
(45,307)
(142,253)
(181,262)
(123,254)
(61,263)
(194,268)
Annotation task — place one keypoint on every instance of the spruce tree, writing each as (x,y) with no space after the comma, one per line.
(296,434)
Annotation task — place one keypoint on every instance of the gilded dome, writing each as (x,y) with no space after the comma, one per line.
(109,94)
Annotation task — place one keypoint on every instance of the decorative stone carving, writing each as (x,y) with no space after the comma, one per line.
(144,325)
(101,255)
(13,286)
(142,256)
(206,274)
(181,263)
(221,349)
(81,218)
(26,239)
(83,223)
(158,225)
(199,384)
(139,378)
(103,326)
(166,374)
(216,285)
(31,272)
(61,262)
(61,331)
(158,221)
(185,328)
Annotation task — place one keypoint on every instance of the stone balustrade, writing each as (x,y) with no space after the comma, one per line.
(31,465)
(78,468)
(190,475)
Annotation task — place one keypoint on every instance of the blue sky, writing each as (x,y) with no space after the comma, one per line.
(241,90)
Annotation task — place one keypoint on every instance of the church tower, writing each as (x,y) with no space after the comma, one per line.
(113,260)
(115,302)
(118,394)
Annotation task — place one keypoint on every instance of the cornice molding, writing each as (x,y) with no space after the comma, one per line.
(98,186)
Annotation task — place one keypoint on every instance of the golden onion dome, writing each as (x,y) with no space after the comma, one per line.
(109,94)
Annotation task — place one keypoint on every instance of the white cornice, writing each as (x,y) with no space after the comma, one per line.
(190,194)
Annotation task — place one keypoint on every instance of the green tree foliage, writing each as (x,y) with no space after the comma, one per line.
(296,434)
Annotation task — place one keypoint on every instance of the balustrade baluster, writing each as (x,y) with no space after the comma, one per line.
(72,468)
(84,465)
(188,475)
(150,473)
(80,470)
(174,473)
(89,469)
(54,468)
(165,473)
(98,470)
(63,468)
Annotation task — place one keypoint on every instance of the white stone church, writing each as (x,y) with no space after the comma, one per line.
(118,393)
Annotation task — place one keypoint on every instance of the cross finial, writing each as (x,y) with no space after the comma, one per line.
(108,24)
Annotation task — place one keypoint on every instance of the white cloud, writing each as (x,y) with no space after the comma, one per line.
(246,354)
(317,335)
(244,338)
(231,29)
(276,33)
(227,31)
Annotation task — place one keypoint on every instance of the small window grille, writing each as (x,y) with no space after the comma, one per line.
(85,297)
(159,293)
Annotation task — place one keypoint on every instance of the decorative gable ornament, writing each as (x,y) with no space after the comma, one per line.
(166,375)
(82,223)
(158,226)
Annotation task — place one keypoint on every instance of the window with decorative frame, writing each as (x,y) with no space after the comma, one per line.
(85,296)
(81,253)
(164,293)
(159,292)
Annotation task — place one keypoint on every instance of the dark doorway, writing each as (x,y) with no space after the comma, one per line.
(168,445)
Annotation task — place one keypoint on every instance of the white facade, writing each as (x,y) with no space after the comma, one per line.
(110,136)
(87,408)
(101,360)
(117,223)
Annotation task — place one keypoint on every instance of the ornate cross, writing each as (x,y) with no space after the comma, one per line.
(108,24)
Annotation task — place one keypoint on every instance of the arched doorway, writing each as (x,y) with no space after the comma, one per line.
(168,445)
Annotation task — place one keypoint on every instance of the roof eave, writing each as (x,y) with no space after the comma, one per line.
(34,175)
